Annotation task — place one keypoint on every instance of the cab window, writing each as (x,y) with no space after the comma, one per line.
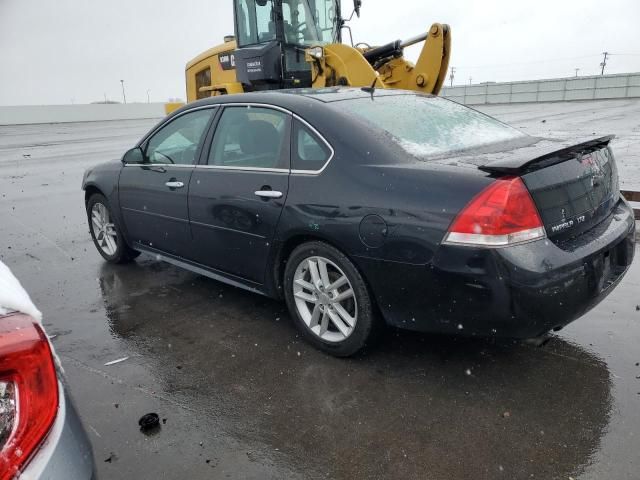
(309,22)
(255,22)
(250,137)
(177,142)
(309,151)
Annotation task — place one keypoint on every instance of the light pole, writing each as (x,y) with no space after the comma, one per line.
(124,97)
(148,101)
(453,74)
(604,62)
(577,70)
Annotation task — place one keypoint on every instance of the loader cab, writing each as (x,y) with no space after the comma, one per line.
(272,36)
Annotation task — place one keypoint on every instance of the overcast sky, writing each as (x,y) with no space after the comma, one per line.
(64,51)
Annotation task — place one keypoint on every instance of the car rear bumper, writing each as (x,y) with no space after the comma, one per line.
(522,291)
(66,452)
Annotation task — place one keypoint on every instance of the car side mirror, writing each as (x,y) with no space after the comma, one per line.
(134,155)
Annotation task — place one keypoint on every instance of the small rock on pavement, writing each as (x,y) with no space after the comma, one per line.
(111,458)
(506,414)
(637,308)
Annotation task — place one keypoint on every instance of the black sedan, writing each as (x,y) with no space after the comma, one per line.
(363,208)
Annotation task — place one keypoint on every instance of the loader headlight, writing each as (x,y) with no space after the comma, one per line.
(316,52)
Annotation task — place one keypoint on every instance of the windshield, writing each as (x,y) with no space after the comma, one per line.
(428,126)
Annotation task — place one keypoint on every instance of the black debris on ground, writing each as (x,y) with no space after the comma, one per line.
(149,421)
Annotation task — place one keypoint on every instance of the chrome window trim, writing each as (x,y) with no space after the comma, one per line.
(163,165)
(319,135)
(248,169)
(255,104)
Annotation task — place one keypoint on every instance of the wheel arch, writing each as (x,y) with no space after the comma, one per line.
(90,190)
(290,244)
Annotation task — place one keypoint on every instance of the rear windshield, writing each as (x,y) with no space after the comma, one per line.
(430,126)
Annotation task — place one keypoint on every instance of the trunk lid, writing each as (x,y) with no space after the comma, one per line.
(575,187)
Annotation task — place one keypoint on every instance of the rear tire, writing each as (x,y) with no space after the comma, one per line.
(329,300)
(106,232)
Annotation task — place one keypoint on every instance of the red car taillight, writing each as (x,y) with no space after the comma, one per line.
(28,391)
(500,215)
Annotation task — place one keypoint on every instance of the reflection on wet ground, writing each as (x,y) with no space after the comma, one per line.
(416,406)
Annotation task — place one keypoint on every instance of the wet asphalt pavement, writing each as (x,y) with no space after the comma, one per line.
(241,396)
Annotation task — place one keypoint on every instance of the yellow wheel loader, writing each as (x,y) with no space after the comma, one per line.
(298,44)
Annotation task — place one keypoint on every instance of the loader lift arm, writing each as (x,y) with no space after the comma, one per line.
(339,64)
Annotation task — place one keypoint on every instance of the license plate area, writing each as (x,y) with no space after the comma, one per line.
(608,266)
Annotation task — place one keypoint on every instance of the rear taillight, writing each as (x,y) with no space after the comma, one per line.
(28,391)
(500,215)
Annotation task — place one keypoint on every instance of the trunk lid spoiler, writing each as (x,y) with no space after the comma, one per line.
(540,155)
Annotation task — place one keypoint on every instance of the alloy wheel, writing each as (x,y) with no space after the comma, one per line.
(325,299)
(104,230)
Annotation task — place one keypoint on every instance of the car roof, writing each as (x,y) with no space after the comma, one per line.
(301,96)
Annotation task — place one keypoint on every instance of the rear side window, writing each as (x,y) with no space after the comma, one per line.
(428,126)
(250,137)
(309,151)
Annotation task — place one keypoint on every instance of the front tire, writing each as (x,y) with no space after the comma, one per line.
(328,299)
(106,233)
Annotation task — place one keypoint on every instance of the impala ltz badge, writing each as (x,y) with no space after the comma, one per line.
(562,226)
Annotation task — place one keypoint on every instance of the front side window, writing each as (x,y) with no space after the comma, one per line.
(310,153)
(177,142)
(255,21)
(250,137)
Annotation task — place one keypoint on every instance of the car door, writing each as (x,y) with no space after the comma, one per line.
(238,191)
(153,193)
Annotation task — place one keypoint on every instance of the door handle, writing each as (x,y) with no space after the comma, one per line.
(174,184)
(268,194)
